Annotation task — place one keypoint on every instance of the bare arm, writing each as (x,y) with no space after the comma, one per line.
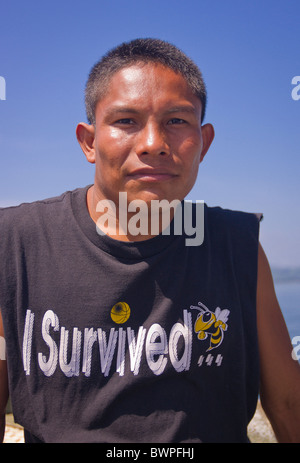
(3,382)
(280,374)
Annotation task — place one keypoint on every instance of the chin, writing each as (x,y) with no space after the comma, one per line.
(148,196)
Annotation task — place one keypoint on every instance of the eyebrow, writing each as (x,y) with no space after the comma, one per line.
(120,109)
(175,109)
(182,109)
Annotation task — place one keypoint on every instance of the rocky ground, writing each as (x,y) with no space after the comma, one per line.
(259,429)
(13,432)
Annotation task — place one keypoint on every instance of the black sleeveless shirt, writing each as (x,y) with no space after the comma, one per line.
(110,341)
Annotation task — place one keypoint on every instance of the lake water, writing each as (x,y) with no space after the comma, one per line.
(288,295)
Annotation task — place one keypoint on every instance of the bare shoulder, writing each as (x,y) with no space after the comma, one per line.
(280,373)
(274,341)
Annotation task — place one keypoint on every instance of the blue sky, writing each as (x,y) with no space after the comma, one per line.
(248,51)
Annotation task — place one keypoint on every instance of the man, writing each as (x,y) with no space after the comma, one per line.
(122,334)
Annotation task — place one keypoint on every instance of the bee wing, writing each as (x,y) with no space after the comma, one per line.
(222,315)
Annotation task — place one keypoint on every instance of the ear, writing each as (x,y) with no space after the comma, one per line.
(85,134)
(208,134)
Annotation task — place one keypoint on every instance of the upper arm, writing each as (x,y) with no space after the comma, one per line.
(3,371)
(280,374)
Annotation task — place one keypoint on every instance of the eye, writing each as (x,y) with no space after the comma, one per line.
(176,120)
(125,121)
(206,317)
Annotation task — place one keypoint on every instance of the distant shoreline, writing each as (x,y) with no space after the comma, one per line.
(286,274)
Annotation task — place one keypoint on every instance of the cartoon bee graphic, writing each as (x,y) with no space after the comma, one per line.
(211,324)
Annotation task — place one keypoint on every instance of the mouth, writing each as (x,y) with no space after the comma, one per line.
(151,175)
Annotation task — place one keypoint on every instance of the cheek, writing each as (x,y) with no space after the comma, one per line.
(190,155)
(111,148)
(189,149)
(112,136)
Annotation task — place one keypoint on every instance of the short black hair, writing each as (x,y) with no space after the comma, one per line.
(143,50)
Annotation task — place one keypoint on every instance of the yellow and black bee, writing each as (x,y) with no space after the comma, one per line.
(211,324)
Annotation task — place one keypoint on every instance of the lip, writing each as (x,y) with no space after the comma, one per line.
(151,174)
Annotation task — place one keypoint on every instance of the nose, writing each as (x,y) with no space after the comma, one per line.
(152,140)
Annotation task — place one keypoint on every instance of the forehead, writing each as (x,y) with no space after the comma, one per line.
(148,84)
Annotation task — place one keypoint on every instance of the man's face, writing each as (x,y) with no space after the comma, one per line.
(148,140)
